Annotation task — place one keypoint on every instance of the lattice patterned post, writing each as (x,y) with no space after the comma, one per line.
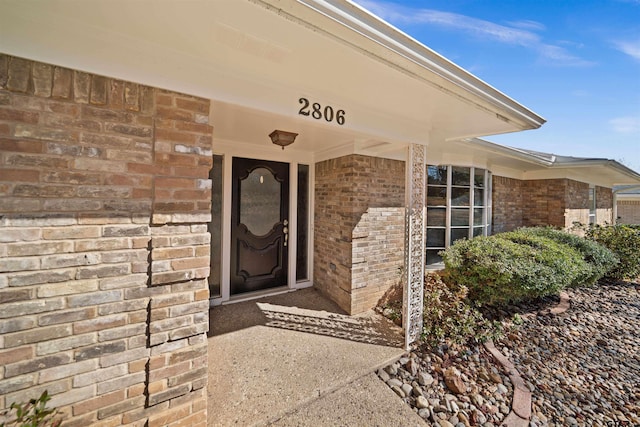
(414,242)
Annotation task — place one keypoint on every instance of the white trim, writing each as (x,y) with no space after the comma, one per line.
(293,224)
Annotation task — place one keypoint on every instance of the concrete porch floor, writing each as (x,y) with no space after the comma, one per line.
(297,359)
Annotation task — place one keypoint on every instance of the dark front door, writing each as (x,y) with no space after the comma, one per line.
(259,225)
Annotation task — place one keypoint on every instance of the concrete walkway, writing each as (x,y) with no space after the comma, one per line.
(296,359)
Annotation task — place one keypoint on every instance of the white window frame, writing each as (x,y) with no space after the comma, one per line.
(486,207)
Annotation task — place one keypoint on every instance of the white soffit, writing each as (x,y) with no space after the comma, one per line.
(265,55)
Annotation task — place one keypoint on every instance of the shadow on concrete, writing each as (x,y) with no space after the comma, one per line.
(271,356)
(305,310)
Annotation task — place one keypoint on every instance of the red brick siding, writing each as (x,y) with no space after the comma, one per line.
(628,211)
(104,199)
(604,205)
(359,229)
(507,204)
(555,202)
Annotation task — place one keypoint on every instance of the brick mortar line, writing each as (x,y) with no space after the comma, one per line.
(521,399)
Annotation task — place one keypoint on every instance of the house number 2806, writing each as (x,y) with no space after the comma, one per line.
(319,112)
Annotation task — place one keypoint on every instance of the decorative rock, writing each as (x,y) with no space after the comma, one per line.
(570,379)
(384,376)
(407,389)
(394,382)
(495,377)
(412,367)
(425,379)
(422,402)
(453,381)
(398,391)
(391,369)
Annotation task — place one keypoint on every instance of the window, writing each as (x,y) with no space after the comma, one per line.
(303,224)
(592,205)
(215,226)
(458,206)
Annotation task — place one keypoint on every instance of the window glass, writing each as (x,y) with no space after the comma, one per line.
(459,233)
(303,225)
(433,257)
(260,201)
(451,215)
(460,196)
(459,216)
(436,175)
(460,176)
(477,216)
(215,226)
(592,205)
(478,197)
(478,177)
(436,237)
(436,217)
(436,196)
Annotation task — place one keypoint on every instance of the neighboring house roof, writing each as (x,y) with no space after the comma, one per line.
(536,164)
(627,192)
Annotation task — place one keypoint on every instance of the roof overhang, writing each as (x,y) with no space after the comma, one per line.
(524,164)
(257,58)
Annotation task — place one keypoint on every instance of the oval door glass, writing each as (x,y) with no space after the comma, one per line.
(260,201)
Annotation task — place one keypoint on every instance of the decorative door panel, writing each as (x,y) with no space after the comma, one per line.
(259,225)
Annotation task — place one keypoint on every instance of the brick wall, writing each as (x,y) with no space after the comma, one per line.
(359,229)
(556,202)
(628,211)
(604,205)
(104,200)
(507,204)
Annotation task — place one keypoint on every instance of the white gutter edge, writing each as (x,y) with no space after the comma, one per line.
(365,23)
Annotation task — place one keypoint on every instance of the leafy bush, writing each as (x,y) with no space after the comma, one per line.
(624,241)
(497,271)
(512,267)
(600,259)
(447,315)
(32,414)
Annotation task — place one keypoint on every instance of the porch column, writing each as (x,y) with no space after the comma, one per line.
(414,242)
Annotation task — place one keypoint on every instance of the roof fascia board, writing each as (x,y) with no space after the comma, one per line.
(403,48)
(510,152)
(556,162)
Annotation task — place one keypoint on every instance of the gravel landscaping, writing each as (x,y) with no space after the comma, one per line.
(581,366)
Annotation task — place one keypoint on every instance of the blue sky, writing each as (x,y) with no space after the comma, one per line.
(574,62)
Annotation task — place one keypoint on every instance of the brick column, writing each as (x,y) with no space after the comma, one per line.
(104,199)
(359,229)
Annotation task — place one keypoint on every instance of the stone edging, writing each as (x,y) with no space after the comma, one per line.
(521,402)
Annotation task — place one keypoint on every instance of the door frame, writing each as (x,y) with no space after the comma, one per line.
(230,149)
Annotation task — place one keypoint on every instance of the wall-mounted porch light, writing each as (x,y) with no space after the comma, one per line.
(282,138)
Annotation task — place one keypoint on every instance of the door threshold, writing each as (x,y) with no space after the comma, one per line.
(255,295)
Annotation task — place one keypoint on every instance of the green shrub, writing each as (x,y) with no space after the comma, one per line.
(624,241)
(447,315)
(32,414)
(498,271)
(600,259)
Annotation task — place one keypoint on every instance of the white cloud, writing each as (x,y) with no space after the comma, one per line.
(528,25)
(518,33)
(631,48)
(626,125)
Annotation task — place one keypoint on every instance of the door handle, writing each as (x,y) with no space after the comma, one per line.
(285,230)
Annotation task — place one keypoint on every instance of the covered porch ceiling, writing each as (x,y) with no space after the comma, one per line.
(255,59)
